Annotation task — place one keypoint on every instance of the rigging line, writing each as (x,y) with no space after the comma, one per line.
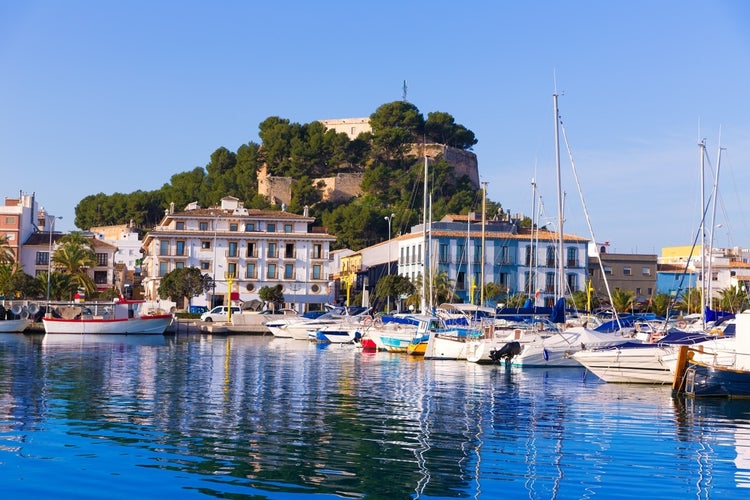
(588,219)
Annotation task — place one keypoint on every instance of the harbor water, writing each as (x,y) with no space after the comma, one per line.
(201,416)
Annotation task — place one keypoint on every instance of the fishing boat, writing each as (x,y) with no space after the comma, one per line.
(120,316)
(720,373)
(17,318)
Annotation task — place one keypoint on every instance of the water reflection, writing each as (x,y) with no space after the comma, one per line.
(279,418)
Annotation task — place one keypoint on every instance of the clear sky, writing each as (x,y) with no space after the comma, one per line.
(117,96)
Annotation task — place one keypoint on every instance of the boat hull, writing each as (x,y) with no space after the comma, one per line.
(14,325)
(629,365)
(152,325)
(703,380)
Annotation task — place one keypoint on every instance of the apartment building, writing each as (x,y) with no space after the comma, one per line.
(242,250)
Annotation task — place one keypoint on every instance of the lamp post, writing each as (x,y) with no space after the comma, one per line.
(213,280)
(388,297)
(49,255)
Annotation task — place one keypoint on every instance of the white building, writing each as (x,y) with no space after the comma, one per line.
(248,248)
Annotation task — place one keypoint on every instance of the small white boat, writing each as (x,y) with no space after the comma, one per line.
(121,316)
(17,318)
(14,325)
(638,363)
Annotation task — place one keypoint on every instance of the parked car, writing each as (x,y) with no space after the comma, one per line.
(219,313)
(198,309)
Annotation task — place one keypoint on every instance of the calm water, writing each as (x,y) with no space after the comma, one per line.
(238,417)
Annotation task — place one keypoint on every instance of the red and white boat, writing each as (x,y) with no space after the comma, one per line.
(121,316)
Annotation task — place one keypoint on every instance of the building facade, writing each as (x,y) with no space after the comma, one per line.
(521,261)
(242,250)
(18,221)
(629,272)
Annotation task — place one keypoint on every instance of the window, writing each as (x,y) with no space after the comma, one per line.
(527,256)
(232,249)
(206,245)
(478,252)
(607,269)
(289,251)
(549,284)
(443,255)
(714,276)
(180,248)
(406,256)
(203,226)
(461,281)
(205,265)
(180,225)
(179,265)
(572,282)
(401,257)
(251,250)
(287,228)
(646,271)
(505,254)
(101,259)
(572,257)
(288,271)
(526,279)
(627,271)
(271,228)
(638,290)
(419,254)
(232,269)
(163,268)
(250,227)
(503,281)
(233,226)
(42,258)
(100,277)
(317,251)
(551,256)
(271,272)
(163,248)
(461,252)
(250,270)
(316,271)
(271,250)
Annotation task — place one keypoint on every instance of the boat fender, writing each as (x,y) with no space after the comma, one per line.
(16,309)
(367,322)
(33,308)
(681,324)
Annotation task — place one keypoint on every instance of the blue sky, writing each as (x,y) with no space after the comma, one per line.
(119,96)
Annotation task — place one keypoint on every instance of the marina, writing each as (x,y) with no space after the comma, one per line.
(199,415)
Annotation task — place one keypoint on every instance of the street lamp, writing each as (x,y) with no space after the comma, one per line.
(213,280)
(49,255)
(388,296)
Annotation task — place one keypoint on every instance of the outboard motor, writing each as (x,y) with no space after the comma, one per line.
(507,351)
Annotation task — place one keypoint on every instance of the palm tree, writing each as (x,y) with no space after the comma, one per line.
(659,303)
(442,290)
(59,285)
(732,299)
(622,300)
(75,259)
(7,255)
(8,275)
(690,301)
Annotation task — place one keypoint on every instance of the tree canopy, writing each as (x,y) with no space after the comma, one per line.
(392,175)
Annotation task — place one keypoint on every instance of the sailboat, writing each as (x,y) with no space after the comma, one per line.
(548,348)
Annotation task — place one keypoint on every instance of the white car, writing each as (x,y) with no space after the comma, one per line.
(219,313)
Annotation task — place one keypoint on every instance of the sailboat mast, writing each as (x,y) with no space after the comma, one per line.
(484,222)
(702,149)
(424,239)
(715,194)
(534,239)
(559,283)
